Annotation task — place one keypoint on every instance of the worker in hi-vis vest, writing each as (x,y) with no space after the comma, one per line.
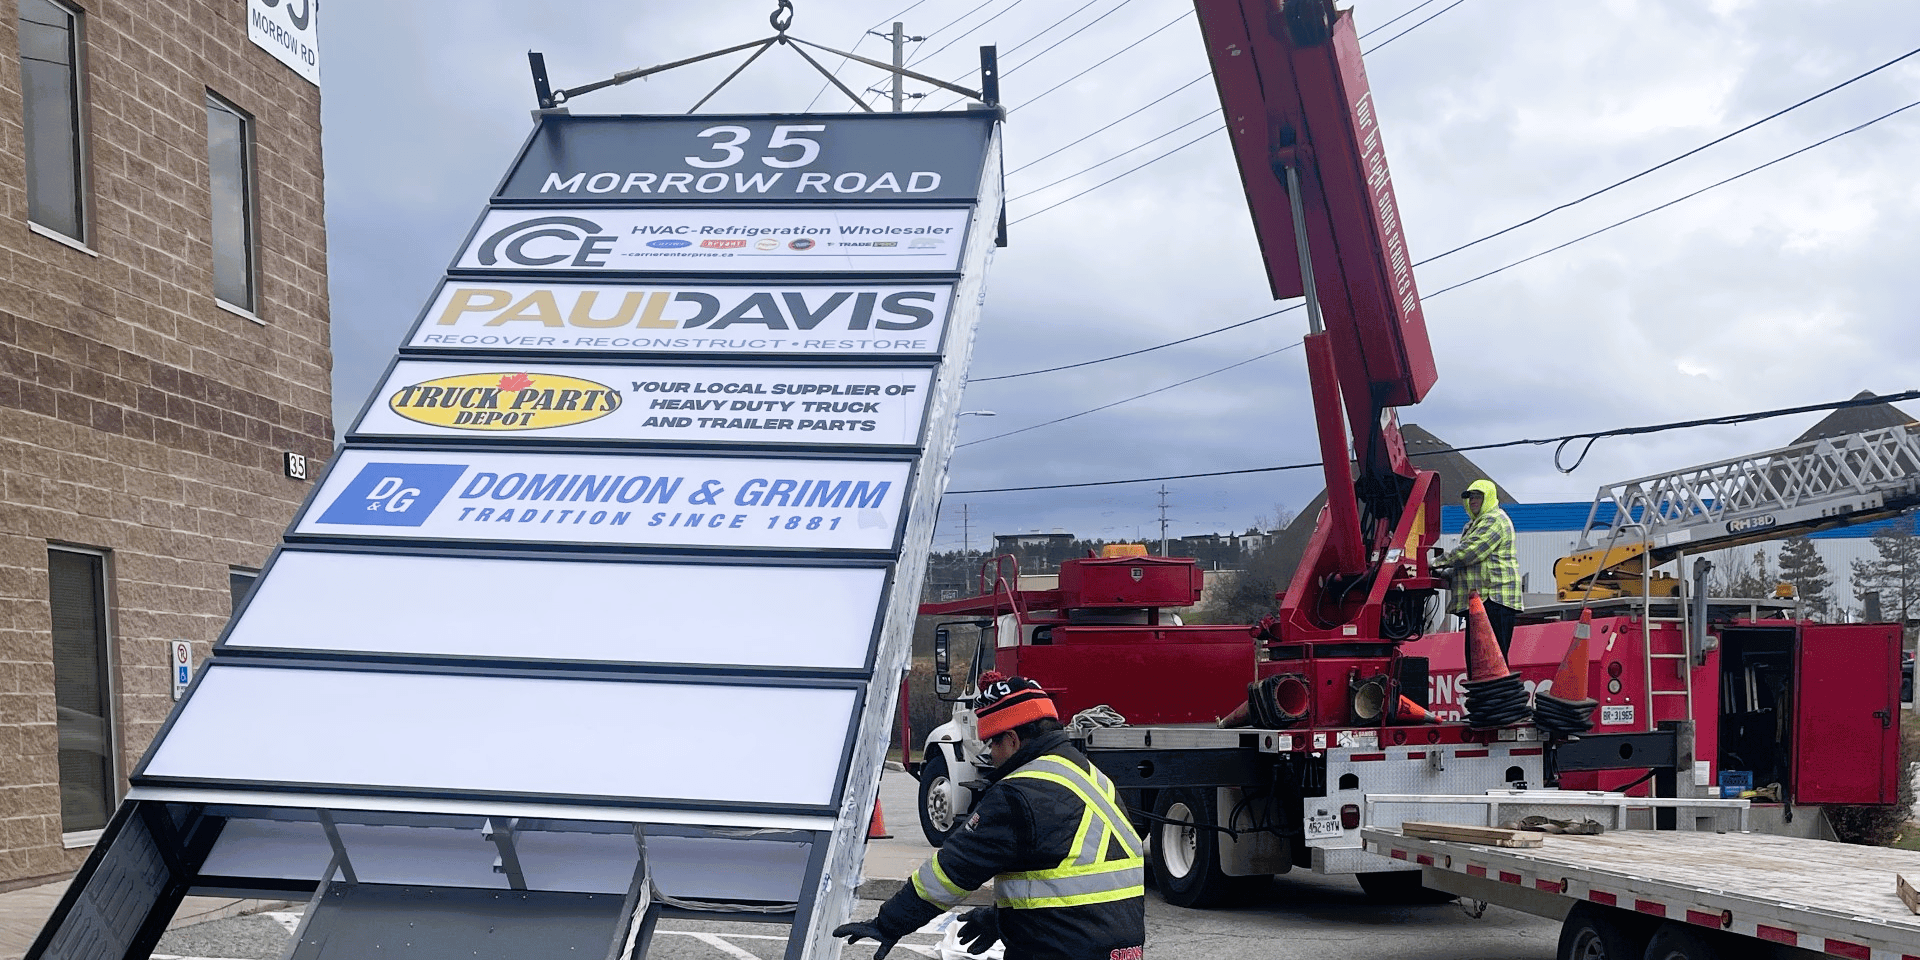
(1485,562)
(1051,833)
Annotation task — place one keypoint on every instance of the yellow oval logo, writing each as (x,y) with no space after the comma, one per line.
(505,401)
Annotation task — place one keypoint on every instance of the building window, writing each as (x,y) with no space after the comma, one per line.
(240,583)
(83,687)
(50,90)
(230,177)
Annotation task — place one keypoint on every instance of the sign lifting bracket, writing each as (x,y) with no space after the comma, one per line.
(781,19)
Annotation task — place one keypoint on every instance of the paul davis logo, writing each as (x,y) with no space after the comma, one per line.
(669,244)
(393,494)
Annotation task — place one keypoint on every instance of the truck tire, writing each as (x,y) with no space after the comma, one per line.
(1400,886)
(938,815)
(1596,933)
(1186,859)
(1674,941)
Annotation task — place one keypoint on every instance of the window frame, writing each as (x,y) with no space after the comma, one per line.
(82,155)
(250,207)
(110,685)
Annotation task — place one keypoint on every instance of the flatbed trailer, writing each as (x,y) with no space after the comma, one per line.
(1713,893)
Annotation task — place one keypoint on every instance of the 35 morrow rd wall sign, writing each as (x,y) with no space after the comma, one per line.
(893,319)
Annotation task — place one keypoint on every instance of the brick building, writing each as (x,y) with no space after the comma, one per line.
(163,345)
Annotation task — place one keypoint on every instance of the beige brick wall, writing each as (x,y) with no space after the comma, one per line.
(136,416)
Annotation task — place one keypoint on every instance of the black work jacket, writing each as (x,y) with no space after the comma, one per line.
(1068,882)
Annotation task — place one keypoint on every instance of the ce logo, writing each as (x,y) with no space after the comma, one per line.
(511,242)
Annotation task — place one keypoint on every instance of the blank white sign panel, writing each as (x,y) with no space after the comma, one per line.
(563,610)
(851,406)
(610,500)
(530,736)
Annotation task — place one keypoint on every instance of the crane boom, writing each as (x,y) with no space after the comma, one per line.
(1307,141)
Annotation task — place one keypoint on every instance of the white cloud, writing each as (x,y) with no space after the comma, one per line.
(1790,286)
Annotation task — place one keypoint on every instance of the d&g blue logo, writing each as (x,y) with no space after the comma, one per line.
(669,244)
(393,494)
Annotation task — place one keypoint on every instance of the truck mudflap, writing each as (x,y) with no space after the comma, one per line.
(1332,823)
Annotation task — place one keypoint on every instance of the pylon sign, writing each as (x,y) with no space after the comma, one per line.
(602,608)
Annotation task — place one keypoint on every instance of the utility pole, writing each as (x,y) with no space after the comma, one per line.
(966,523)
(1163,520)
(899,62)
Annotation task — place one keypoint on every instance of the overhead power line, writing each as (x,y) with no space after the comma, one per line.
(1098,63)
(1111,179)
(1111,125)
(968,32)
(1561,440)
(1430,296)
(1116,156)
(1427,260)
(1415,9)
(1783,111)
(1416,26)
(1136,396)
(864,34)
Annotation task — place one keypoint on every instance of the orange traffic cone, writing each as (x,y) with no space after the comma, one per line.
(1410,712)
(1570,681)
(877,827)
(1484,661)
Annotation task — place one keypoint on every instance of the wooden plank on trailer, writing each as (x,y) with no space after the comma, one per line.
(1908,895)
(1461,833)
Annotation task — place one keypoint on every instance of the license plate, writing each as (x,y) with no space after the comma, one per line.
(1616,715)
(1323,825)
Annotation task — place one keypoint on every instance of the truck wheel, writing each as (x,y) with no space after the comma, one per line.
(1673,941)
(938,813)
(1186,858)
(1596,933)
(1400,886)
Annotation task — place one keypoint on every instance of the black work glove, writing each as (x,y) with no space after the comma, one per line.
(979,929)
(860,930)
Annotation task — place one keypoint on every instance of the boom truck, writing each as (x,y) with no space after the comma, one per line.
(1688,688)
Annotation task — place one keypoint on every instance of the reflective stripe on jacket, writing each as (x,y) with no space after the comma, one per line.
(1066,863)
(1106,863)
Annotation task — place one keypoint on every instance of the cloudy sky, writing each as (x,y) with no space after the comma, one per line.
(1793,285)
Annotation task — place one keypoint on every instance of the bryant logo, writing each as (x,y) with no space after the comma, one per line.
(722,244)
(577,240)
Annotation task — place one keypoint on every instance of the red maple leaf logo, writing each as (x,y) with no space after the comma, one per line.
(515,382)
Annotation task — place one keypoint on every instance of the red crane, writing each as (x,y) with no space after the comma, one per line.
(1308,145)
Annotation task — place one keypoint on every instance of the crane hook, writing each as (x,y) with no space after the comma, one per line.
(782,16)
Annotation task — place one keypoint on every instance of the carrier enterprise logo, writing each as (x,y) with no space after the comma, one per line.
(590,245)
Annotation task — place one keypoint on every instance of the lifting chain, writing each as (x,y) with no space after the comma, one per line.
(782,16)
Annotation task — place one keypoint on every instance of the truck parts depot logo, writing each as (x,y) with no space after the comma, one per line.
(504,401)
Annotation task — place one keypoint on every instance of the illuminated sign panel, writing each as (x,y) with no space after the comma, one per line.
(865,406)
(719,240)
(757,158)
(762,319)
(611,500)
